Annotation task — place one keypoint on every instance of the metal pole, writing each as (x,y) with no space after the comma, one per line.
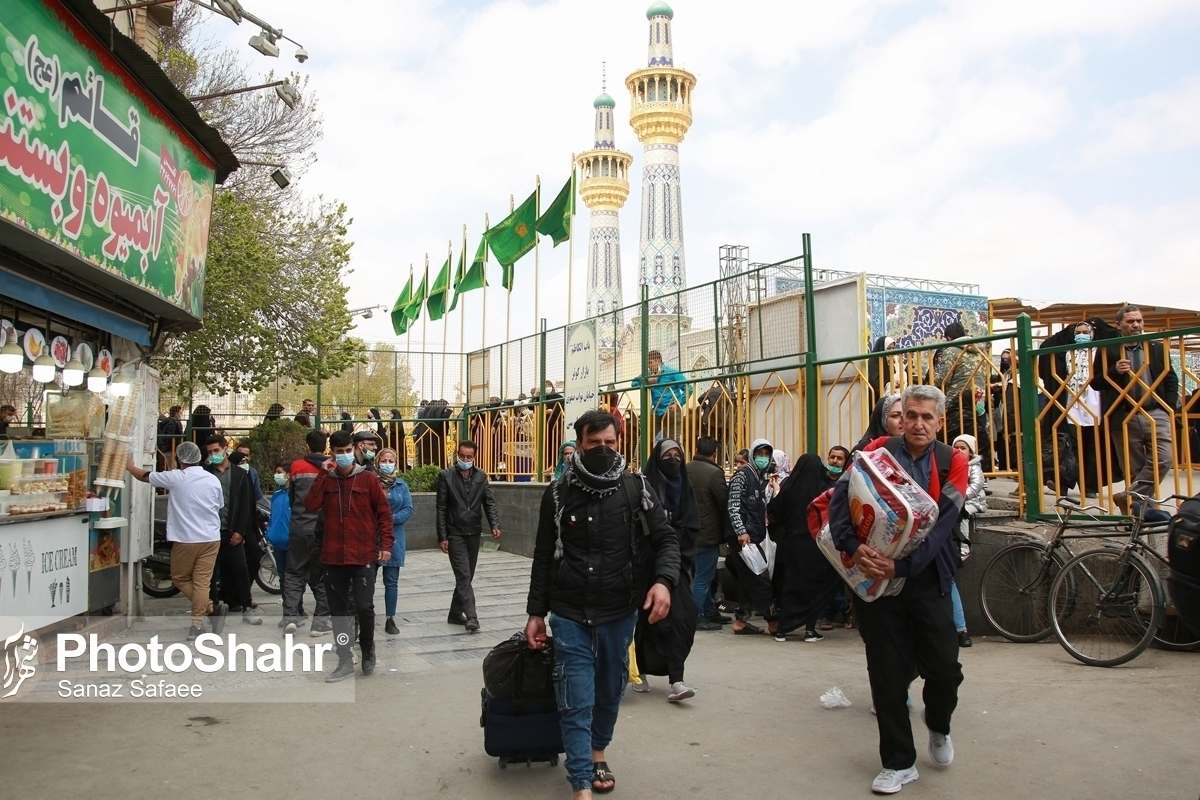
(1027,394)
(508,309)
(812,378)
(645,387)
(537,259)
(483,324)
(541,418)
(571,245)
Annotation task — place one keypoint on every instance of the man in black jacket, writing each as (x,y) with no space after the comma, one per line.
(463,497)
(1139,390)
(237,524)
(597,526)
(712,496)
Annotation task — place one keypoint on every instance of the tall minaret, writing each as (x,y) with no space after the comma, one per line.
(661,113)
(604,187)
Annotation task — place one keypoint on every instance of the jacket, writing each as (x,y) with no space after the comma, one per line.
(400,501)
(306,525)
(240,504)
(278,529)
(747,509)
(668,390)
(356,520)
(976,487)
(712,498)
(939,546)
(595,581)
(459,514)
(957,368)
(1156,363)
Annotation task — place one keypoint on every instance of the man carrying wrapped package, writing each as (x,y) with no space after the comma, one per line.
(913,627)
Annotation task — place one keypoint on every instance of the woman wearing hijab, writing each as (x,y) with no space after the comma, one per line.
(663,648)
(879,368)
(400,500)
(886,420)
(564,455)
(804,580)
(779,473)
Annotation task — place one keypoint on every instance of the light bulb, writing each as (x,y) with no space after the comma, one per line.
(44,369)
(12,358)
(120,389)
(73,373)
(97,380)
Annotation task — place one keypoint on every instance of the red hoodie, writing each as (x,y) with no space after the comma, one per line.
(355,514)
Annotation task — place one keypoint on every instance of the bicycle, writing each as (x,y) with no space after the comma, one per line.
(1106,605)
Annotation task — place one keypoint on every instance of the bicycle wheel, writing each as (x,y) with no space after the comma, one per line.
(1174,634)
(1106,606)
(267,577)
(1014,589)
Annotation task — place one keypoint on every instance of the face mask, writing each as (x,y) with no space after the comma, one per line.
(465,465)
(1082,338)
(833,469)
(369,455)
(387,469)
(670,467)
(245,465)
(762,462)
(344,459)
(280,479)
(216,459)
(599,460)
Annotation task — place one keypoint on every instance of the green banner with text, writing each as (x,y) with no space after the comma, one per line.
(89,161)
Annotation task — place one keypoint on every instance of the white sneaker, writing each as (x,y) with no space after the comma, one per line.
(941,749)
(680,691)
(643,687)
(890,781)
(291,628)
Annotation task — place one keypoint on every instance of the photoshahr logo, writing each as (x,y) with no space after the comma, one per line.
(20,662)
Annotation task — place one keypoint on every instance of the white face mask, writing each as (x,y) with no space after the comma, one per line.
(245,465)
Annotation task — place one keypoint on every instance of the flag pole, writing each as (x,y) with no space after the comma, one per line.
(462,324)
(537,262)
(571,245)
(424,326)
(449,266)
(483,331)
(508,310)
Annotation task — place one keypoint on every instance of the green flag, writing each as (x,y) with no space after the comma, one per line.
(514,236)
(413,309)
(437,293)
(556,222)
(473,278)
(399,318)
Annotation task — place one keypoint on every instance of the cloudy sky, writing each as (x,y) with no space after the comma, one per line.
(1047,150)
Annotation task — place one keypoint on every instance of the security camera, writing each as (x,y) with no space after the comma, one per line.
(370,313)
(263,44)
(302,55)
(282,177)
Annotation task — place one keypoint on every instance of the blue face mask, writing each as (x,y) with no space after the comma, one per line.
(344,459)
(216,459)
(280,479)
(762,462)
(388,468)
(465,465)
(1082,338)
(833,469)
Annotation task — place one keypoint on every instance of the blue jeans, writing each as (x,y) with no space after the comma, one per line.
(591,668)
(960,619)
(391,583)
(706,570)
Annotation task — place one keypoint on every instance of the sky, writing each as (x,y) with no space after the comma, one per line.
(1048,151)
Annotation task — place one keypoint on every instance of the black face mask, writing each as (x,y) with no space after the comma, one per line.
(670,467)
(598,460)
(1004,364)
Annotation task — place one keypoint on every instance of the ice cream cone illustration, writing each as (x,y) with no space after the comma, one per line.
(14,564)
(3,564)
(68,596)
(53,592)
(28,565)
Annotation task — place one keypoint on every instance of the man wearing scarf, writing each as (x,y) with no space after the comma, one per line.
(747,517)
(597,524)
(663,648)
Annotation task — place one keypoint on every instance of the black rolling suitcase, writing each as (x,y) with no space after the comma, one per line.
(519,713)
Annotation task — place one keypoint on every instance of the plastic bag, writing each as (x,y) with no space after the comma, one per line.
(835,698)
(769,547)
(511,669)
(754,558)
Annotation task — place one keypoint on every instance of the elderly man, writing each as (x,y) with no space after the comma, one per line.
(914,628)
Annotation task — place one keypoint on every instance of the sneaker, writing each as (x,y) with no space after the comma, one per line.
(343,670)
(720,619)
(813,636)
(368,660)
(456,620)
(964,640)
(390,628)
(779,637)
(890,781)
(250,618)
(643,687)
(472,625)
(319,630)
(235,609)
(708,625)
(680,691)
(941,750)
(193,632)
(217,617)
(290,628)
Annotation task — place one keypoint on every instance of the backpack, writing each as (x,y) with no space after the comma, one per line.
(1183,552)
(818,509)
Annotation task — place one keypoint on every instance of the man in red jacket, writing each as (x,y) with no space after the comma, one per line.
(356,532)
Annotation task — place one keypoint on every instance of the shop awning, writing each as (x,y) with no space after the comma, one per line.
(41,296)
(1158,318)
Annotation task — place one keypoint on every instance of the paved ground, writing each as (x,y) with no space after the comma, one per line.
(1032,723)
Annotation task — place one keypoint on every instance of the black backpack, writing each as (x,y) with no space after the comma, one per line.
(1183,551)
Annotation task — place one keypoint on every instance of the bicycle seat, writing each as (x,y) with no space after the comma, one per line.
(1067,502)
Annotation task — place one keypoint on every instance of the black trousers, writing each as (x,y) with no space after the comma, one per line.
(756,592)
(914,629)
(304,568)
(351,592)
(231,579)
(464,554)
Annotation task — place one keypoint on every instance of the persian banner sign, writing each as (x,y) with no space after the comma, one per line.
(583,371)
(90,163)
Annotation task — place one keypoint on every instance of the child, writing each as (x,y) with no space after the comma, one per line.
(281,521)
(976,503)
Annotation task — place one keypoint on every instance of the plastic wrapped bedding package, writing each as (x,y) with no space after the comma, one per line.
(890,512)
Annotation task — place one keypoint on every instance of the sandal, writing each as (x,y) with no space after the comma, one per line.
(750,629)
(825,625)
(601,772)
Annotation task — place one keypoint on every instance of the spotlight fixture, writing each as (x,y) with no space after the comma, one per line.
(288,93)
(282,177)
(265,44)
(232,9)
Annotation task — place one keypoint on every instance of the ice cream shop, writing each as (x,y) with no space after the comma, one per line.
(107,175)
